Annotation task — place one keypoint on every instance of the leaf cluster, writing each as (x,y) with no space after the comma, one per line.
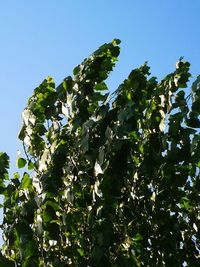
(111,179)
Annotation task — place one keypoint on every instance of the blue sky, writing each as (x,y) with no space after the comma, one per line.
(50,37)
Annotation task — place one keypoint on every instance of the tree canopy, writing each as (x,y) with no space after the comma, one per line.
(110,179)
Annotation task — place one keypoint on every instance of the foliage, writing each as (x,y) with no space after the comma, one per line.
(111,179)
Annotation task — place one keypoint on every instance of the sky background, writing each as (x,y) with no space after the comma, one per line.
(50,37)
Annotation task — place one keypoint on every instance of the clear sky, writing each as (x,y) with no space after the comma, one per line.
(50,37)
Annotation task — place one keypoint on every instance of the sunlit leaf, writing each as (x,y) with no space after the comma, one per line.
(21,162)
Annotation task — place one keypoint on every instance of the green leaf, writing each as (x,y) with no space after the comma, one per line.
(196,106)
(198,164)
(30,165)
(30,262)
(80,251)
(4,163)
(196,84)
(49,214)
(101,87)
(76,70)
(116,42)
(21,162)
(26,181)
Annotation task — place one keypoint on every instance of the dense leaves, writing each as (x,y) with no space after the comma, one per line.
(111,179)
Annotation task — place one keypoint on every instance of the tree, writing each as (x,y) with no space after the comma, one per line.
(110,179)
